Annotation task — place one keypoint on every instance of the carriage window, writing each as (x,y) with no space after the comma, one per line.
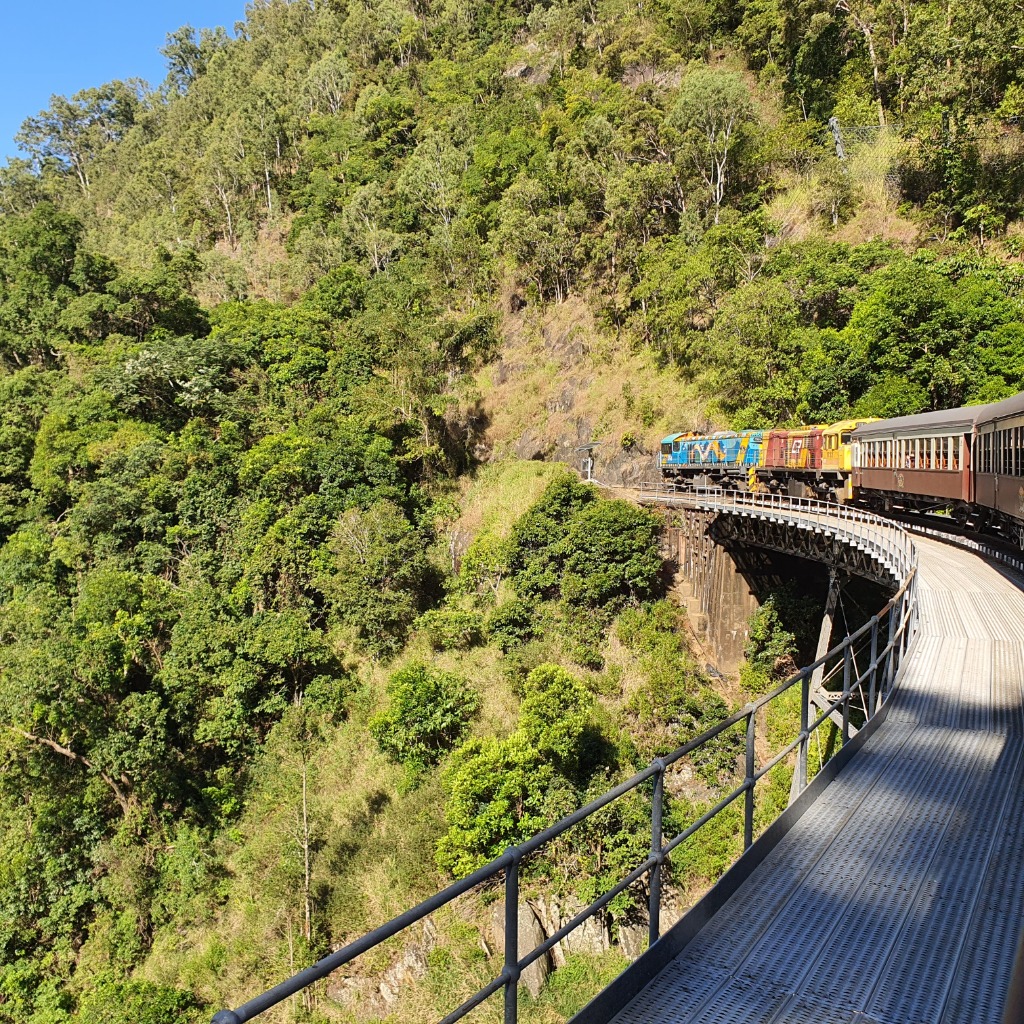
(954,452)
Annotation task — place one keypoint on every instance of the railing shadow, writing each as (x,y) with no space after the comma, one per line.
(910,912)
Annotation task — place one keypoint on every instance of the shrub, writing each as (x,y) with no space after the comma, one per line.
(501,792)
(555,710)
(769,649)
(675,702)
(584,638)
(137,1002)
(496,793)
(535,551)
(611,552)
(428,712)
(587,550)
(450,629)
(511,625)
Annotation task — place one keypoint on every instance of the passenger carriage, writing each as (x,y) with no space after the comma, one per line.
(998,459)
(920,462)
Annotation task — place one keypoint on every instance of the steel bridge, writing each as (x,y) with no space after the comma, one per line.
(891,891)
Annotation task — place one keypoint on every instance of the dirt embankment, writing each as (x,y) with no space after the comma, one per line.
(564,390)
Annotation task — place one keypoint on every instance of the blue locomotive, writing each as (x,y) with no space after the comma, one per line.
(724,458)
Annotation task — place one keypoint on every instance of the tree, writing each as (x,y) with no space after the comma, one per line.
(379,577)
(188,54)
(427,713)
(71,133)
(610,553)
(496,791)
(714,114)
(756,352)
(555,711)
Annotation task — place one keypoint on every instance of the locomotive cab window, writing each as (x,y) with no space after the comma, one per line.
(666,449)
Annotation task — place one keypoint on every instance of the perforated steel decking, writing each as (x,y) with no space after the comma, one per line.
(897,898)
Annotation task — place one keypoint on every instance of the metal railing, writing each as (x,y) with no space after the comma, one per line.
(886,541)
(867,662)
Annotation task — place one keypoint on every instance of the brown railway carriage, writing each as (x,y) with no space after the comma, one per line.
(921,461)
(999,464)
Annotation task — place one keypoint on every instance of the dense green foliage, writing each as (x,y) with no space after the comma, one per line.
(428,712)
(240,317)
(676,700)
(586,551)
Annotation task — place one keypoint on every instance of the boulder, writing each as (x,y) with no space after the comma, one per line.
(632,940)
(531,935)
(590,937)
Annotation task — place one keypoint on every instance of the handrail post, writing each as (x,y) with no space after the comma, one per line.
(898,637)
(890,652)
(748,806)
(512,938)
(805,714)
(654,899)
(874,667)
(847,660)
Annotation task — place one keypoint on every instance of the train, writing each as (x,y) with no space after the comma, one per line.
(966,463)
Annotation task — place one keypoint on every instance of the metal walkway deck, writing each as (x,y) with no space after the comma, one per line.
(897,898)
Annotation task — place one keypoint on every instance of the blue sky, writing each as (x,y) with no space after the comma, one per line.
(62,46)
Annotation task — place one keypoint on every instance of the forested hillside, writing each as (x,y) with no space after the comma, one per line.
(286,643)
